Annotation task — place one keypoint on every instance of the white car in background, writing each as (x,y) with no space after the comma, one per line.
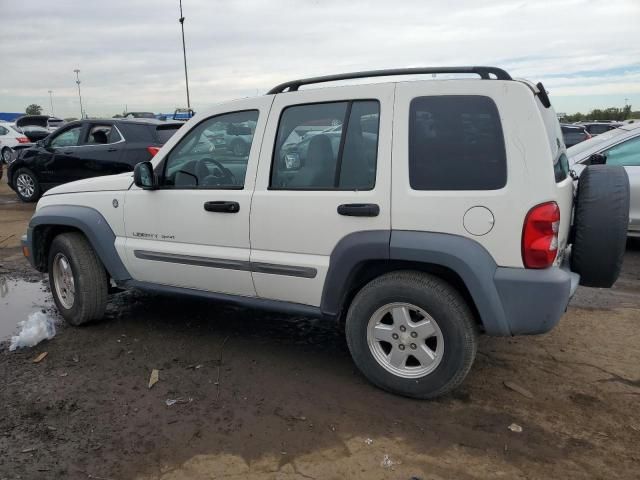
(620,146)
(9,138)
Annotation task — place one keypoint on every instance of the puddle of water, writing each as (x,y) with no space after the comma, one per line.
(18,299)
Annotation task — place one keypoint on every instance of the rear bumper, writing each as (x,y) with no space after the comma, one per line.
(533,301)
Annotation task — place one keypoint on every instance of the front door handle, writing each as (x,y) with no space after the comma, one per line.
(222,207)
(359,209)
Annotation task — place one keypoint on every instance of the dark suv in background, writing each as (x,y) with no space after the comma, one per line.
(574,134)
(83,149)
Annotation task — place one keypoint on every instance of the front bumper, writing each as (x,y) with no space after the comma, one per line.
(27,247)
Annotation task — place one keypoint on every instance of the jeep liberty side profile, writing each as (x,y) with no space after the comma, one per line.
(418,213)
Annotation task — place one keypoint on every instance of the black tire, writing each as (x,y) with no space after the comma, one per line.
(6,154)
(89,277)
(435,297)
(600,222)
(36,185)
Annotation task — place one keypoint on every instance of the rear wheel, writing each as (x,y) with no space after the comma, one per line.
(77,278)
(412,334)
(27,185)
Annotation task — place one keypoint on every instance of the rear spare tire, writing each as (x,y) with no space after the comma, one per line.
(600,224)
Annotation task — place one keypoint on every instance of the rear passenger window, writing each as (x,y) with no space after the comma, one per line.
(103,134)
(327,146)
(456,143)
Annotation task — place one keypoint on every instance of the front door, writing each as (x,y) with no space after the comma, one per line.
(63,163)
(324,172)
(193,232)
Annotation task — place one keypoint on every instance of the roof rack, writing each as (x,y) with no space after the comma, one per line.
(484,73)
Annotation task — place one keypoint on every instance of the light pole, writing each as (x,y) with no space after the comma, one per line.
(51,101)
(79,94)
(184,53)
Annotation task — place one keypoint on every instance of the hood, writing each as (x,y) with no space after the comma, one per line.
(97,184)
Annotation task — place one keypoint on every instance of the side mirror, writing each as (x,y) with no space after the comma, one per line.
(597,159)
(143,176)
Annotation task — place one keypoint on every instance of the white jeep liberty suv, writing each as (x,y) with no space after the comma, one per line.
(418,213)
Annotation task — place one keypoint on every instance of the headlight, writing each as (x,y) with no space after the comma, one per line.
(12,157)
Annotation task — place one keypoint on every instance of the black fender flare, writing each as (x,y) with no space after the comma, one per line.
(85,219)
(465,257)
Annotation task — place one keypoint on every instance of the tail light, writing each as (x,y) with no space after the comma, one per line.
(540,235)
(153,150)
(22,139)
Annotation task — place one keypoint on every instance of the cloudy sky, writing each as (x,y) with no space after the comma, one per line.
(587,52)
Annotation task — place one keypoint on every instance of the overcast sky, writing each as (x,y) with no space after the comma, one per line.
(587,52)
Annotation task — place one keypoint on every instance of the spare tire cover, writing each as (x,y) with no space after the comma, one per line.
(600,225)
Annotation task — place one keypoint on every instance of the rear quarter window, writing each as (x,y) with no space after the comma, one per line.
(165,132)
(456,143)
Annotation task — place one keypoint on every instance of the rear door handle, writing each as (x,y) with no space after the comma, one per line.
(112,149)
(359,209)
(222,207)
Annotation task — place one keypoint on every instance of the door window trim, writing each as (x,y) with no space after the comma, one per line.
(163,163)
(349,102)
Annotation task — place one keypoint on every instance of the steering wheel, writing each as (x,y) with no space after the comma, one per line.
(220,175)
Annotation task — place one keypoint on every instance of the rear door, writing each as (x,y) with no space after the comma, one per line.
(324,172)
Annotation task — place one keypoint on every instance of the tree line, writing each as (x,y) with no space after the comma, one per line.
(612,113)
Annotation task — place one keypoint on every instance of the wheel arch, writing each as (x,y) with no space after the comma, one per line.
(465,264)
(52,220)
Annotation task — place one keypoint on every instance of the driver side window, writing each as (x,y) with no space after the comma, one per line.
(214,154)
(68,138)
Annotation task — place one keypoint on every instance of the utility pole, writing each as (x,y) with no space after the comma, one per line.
(184,53)
(51,101)
(79,94)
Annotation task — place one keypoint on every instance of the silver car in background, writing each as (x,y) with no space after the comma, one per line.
(620,146)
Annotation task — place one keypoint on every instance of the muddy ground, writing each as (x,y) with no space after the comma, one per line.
(276,397)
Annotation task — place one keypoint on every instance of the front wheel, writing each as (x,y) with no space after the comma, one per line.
(27,185)
(412,334)
(6,155)
(77,279)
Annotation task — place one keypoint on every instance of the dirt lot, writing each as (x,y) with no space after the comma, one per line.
(268,396)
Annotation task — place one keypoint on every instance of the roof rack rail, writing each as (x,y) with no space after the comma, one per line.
(484,73)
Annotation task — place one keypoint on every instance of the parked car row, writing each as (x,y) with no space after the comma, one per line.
(84,149)
(575,133)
